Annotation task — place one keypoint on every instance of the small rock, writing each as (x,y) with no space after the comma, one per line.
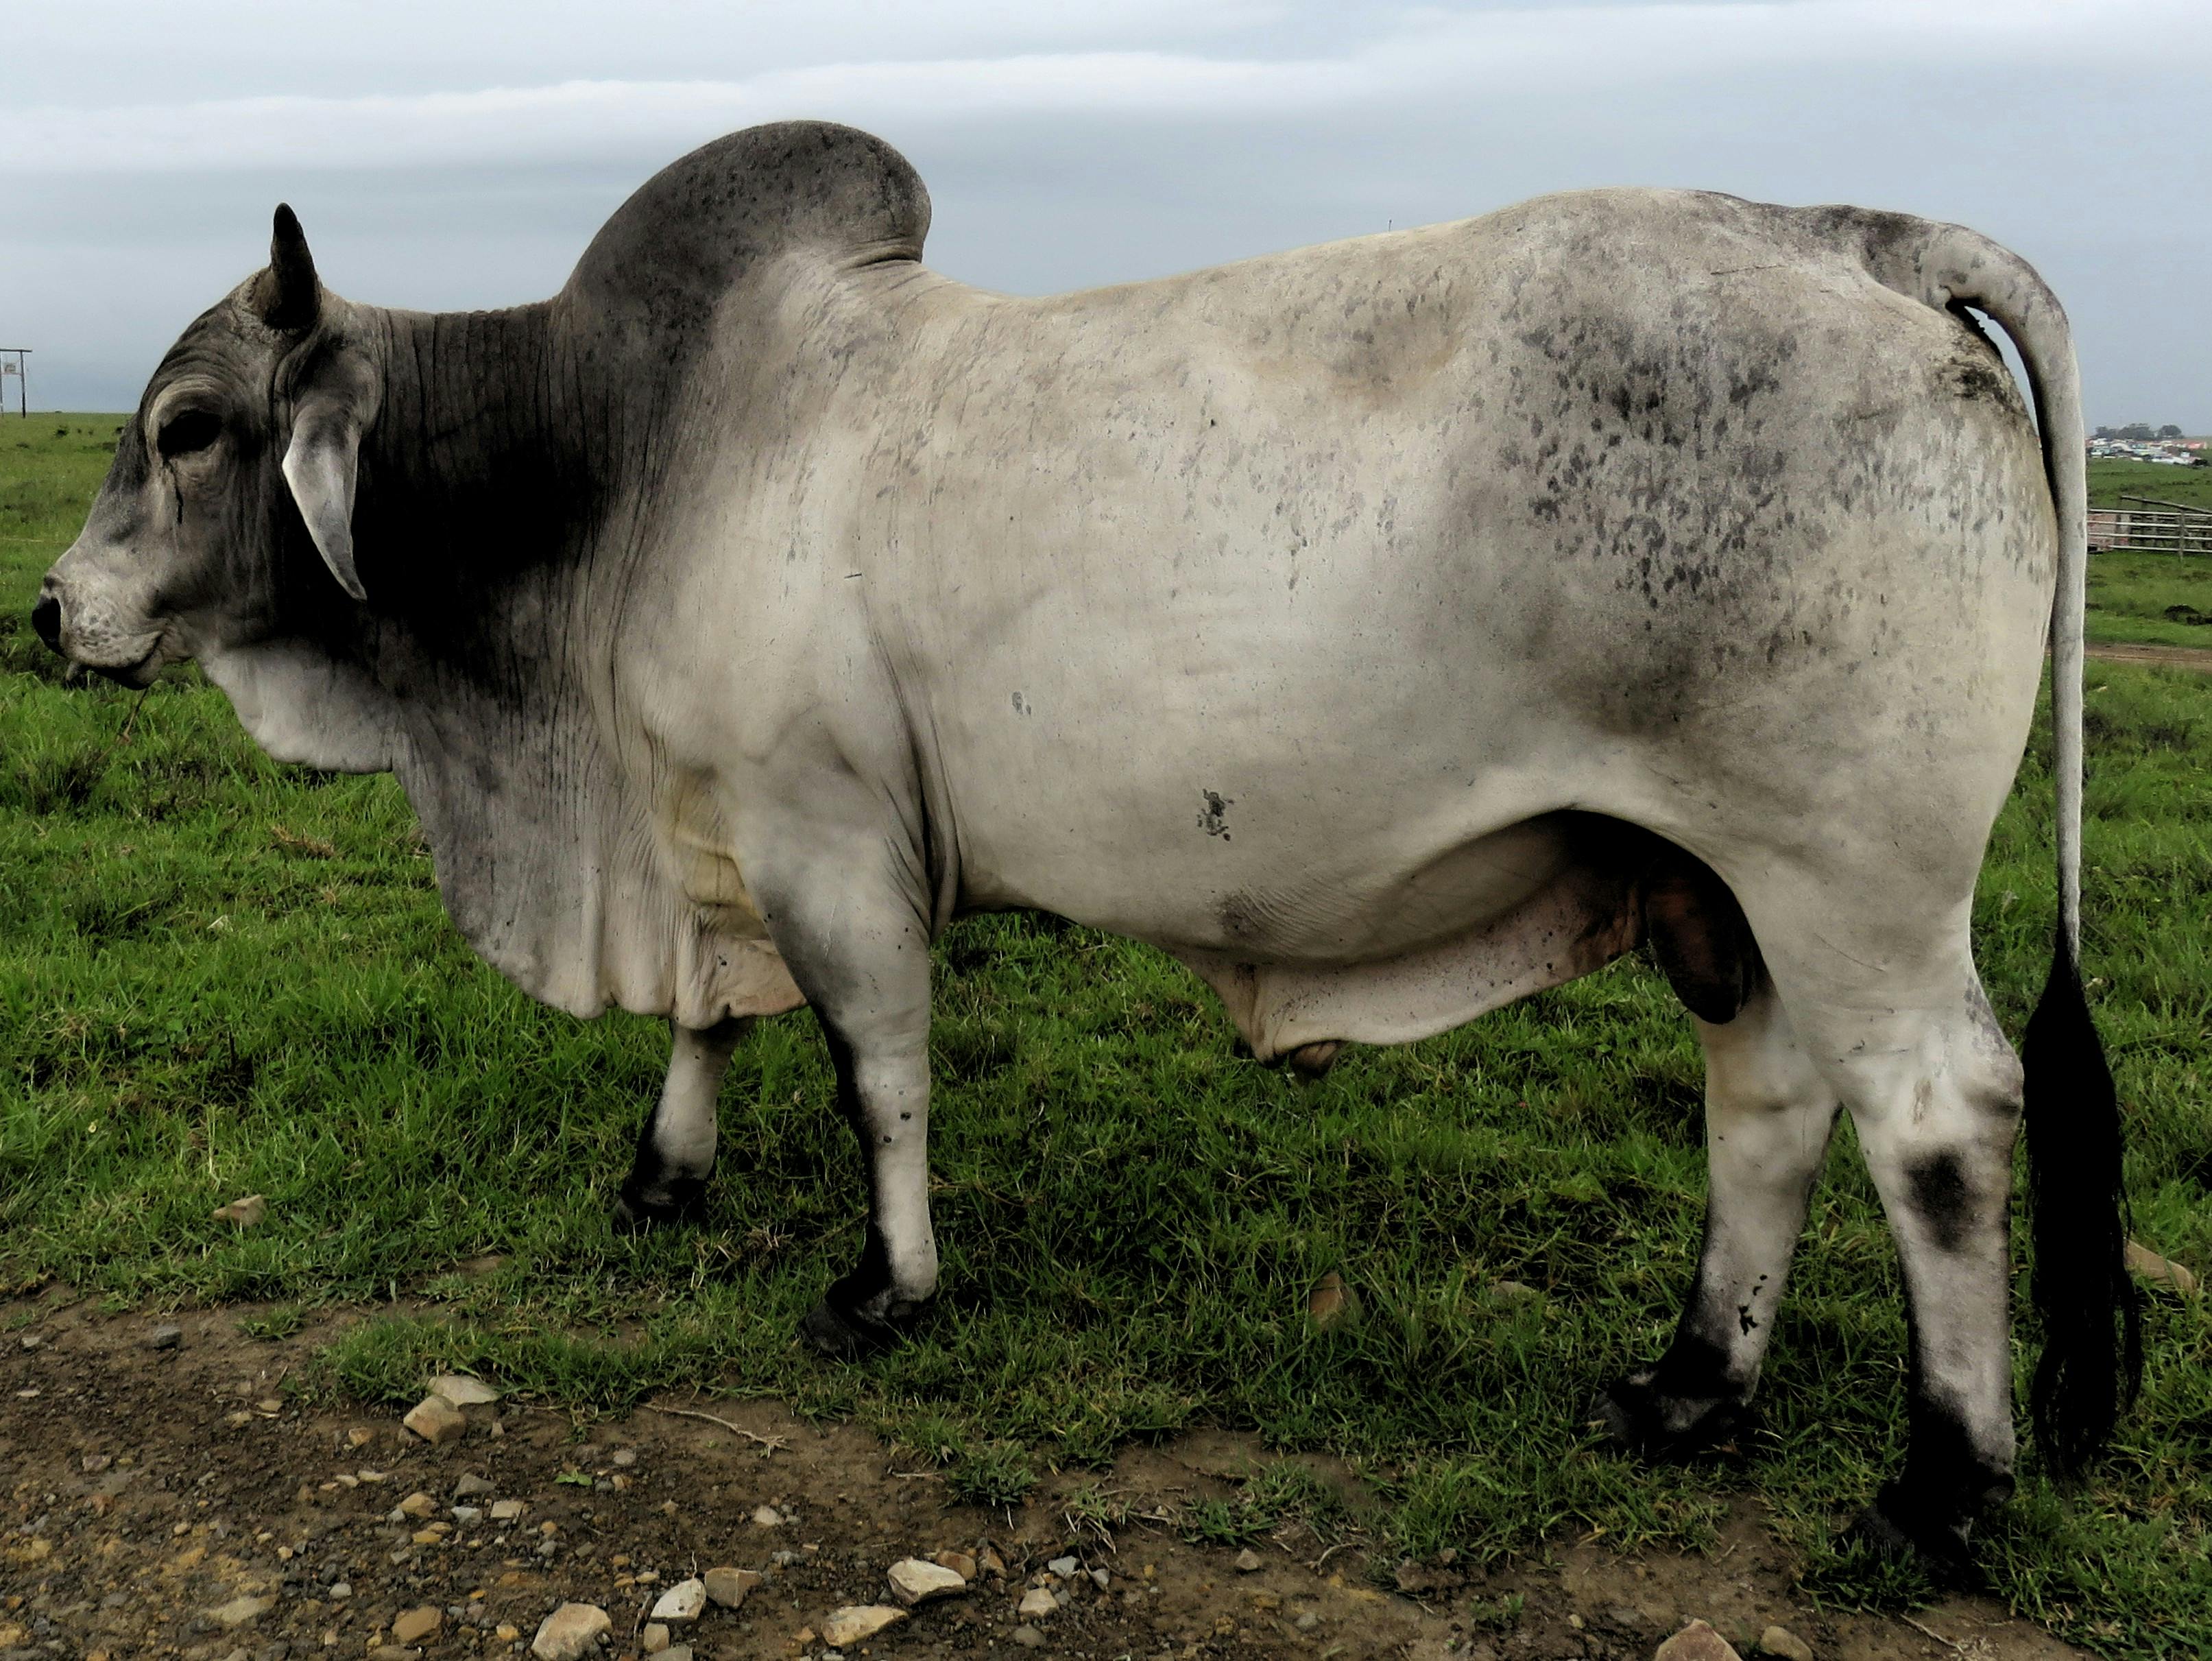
(1062,1566)
(1101,1579)
(1697,1642)
(1028,1638)
(166,1337)
(624,1457)
(914,1582)
(416,1624)
(1307,1621)
(958,1561)
(462,1391)
(435,1420)
(1514,1291)
(682,1602)
(656,1637)
(856,1622)
(240,1611)
(470,1486)
(767,1517)
(245,1212)
(359,1437)
(1330,1301)
(417,1505)
(340,1591)
(729,1587)
(1037,1601)
(570,1631)
(2152,1267)
(1248,1561)
(677,1653)
(991,1563)
(1780,1641)
(465,1514)
(506,1511)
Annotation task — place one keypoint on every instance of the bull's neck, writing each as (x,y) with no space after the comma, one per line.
(479,445)
(482,497)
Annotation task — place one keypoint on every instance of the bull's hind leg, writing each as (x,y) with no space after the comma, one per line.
(667,1180)
(1887,1005)
(1768,1113)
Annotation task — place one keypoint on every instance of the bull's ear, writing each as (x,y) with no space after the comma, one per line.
(290,296)
(319,466)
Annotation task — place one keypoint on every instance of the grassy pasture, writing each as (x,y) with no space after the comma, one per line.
(2110,480)
(219,976)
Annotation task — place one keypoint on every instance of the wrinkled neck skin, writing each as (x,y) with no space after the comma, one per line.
(493,549)
(469,498)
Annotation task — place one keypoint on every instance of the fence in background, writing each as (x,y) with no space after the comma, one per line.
(2152,526)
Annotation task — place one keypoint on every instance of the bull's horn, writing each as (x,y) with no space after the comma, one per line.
(291,297)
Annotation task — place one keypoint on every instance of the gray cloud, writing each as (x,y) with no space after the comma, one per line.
(1090,142)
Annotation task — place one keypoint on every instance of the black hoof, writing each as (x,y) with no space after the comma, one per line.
(1638,1418)
(1906,1525)
(667,1202)
(846,1334)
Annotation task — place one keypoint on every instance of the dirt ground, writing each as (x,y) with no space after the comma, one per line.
(2198,658)
(177,1501)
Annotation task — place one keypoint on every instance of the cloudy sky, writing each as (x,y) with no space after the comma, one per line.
(454,154)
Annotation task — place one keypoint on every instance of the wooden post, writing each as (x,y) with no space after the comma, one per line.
(22,381)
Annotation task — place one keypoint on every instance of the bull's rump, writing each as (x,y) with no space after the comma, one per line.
(1636,502)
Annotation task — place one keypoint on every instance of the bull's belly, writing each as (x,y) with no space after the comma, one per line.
(1325,955)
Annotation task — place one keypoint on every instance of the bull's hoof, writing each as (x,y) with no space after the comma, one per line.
(1905,1524)
(849,1335)
(667,1202)
(1638,1418)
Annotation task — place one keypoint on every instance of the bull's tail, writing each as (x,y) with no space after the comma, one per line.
(2092,1358)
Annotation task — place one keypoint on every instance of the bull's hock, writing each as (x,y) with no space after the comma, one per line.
(1390,630)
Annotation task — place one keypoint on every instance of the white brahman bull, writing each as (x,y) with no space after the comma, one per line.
(1388,629)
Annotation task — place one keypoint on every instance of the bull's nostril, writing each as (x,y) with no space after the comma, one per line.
(46,618)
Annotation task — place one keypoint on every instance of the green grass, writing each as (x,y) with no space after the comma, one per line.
(221,977)
(2110,480)
(2154,600)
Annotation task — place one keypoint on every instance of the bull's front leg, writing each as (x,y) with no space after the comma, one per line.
(857,943)
(667,1180)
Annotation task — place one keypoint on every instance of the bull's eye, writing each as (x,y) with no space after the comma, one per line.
(187,431)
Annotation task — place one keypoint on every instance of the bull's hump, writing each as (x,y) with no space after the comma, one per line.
(696,227)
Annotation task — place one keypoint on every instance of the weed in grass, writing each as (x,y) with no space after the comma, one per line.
(1851,1575)
(279,1321)
(931,1438)
(1496,1615)
(1092,1509)
(995,1475)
